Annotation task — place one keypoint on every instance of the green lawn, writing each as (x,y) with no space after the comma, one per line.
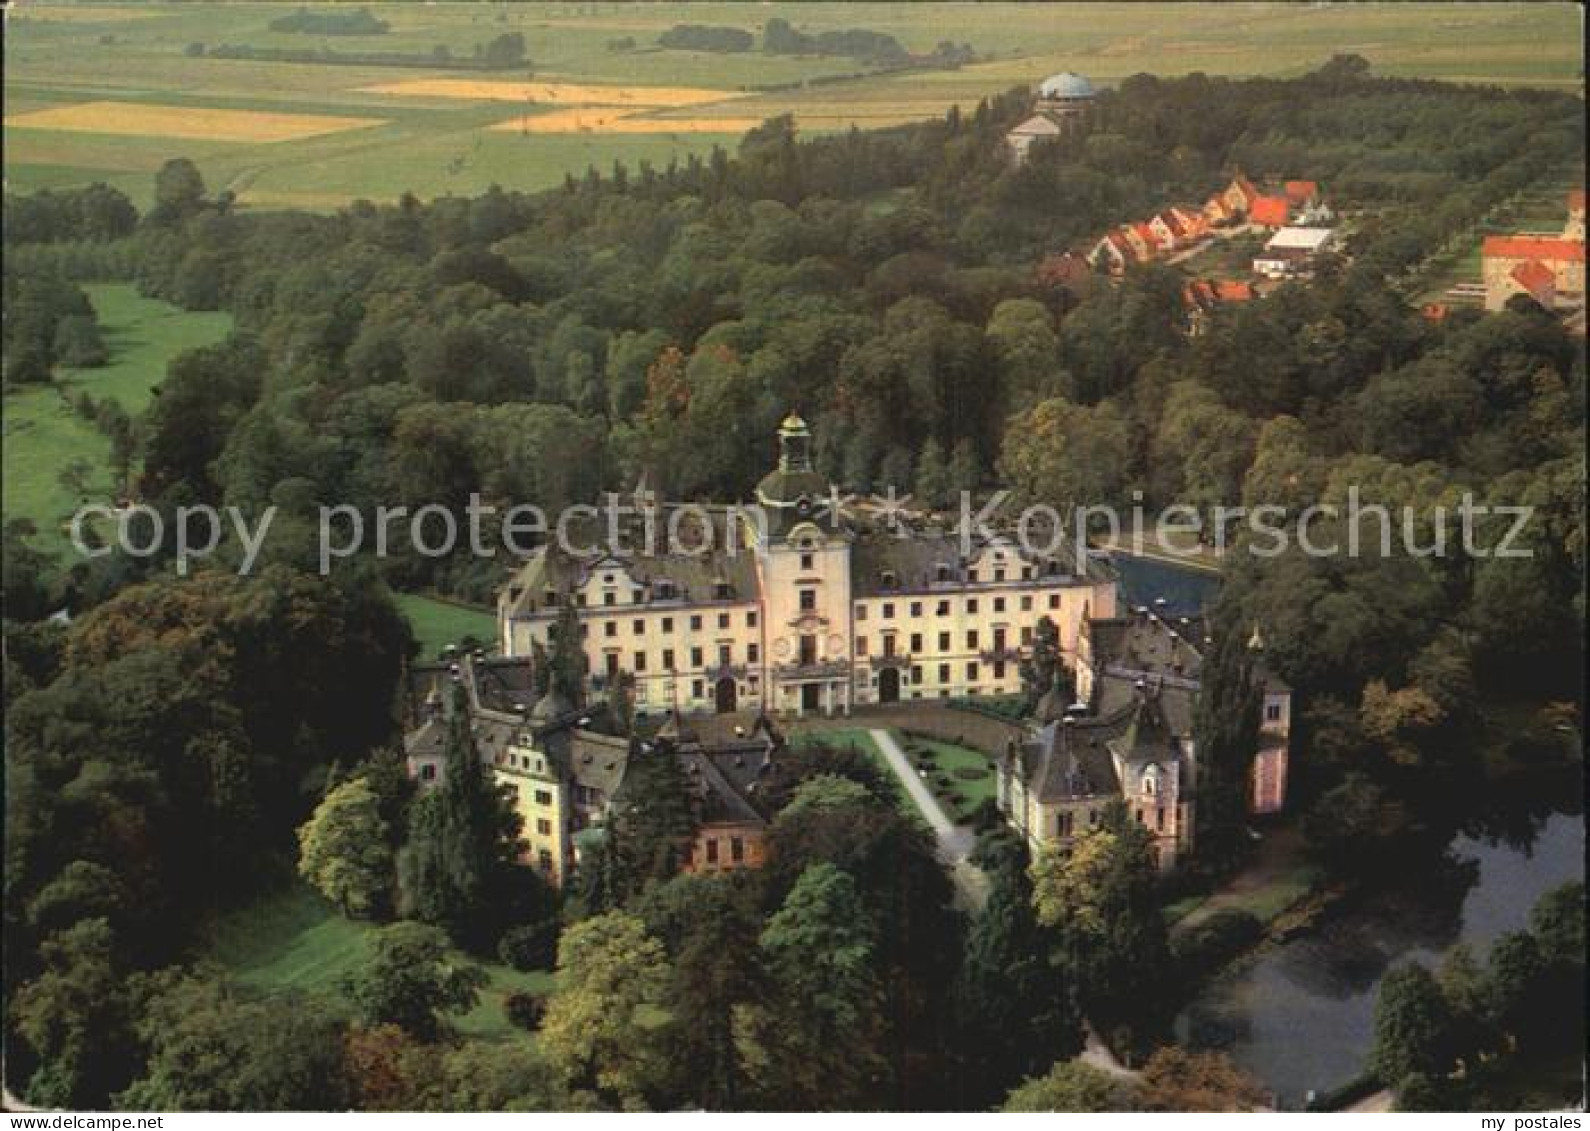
(963,795)
(437,624)
(43,434)
(858,738)
(294,940)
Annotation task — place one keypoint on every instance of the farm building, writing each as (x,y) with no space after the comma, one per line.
(1292,251)
(1513,265)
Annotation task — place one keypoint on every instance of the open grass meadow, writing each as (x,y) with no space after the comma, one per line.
(294,940)
(437,623)
(44,436)
(109,91)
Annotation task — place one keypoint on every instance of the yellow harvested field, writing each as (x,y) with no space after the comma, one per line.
(145,119)
(557,93)
(601,120)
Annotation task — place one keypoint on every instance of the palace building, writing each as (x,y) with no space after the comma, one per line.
(1129,736)
(793,609)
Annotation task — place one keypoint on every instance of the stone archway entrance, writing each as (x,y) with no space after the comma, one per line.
(889,685)
(811,697)
(726,695)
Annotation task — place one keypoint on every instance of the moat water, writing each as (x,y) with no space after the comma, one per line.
(1299,1016)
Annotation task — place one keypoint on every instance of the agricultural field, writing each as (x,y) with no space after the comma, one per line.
(109,91)
(43,435)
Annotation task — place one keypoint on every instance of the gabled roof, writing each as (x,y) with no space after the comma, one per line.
(1534,276)
(1271,211)
(1245,189)
(1039,125)
(1533,247)
(1301,192)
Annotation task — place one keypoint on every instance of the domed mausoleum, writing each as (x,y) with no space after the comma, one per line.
(1064,102)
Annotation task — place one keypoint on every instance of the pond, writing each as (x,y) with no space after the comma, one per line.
(1299,1016)
(1185,590)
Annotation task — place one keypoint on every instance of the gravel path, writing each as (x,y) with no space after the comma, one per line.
(955,842)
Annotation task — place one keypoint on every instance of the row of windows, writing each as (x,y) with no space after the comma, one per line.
(999,642)
(736,850)
(753,654)
(941,608)
(665,625)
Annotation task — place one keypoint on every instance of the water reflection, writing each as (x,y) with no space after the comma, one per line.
(1300,1015)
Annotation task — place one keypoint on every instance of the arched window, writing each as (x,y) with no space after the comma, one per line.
(1151,781)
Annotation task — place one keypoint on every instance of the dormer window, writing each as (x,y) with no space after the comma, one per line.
(941,572)
(889,579)
(721,590)
(664,589)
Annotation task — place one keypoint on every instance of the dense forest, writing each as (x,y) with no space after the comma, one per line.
(164,748)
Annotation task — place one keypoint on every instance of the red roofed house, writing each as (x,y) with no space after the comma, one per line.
(1144,243)
(1202,296)
(1239,195)
(1301,194)
(1169,231)
(1270,211)
(1195,223)
(1538,280)
(1112,253)
(1574,228)
(1501,258)
(1065,269)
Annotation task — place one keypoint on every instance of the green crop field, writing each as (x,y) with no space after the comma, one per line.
(43,435)
(63,59)
(295,941)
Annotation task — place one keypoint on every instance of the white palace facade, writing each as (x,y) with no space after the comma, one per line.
(799,612)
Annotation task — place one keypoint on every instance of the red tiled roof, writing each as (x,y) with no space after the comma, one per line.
(1532,247)
(1301,192)
(1534,276)
(1434,311)
(1271,211)
(1173,223)
(1234,291)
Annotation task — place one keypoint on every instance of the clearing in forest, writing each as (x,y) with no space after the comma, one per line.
(147,119)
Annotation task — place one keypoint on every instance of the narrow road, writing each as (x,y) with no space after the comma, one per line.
(955,843)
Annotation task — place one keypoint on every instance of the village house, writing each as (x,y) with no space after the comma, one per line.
(1292,252)
(1064,101)
(1129,736)
(1549,269)
(1202,297)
